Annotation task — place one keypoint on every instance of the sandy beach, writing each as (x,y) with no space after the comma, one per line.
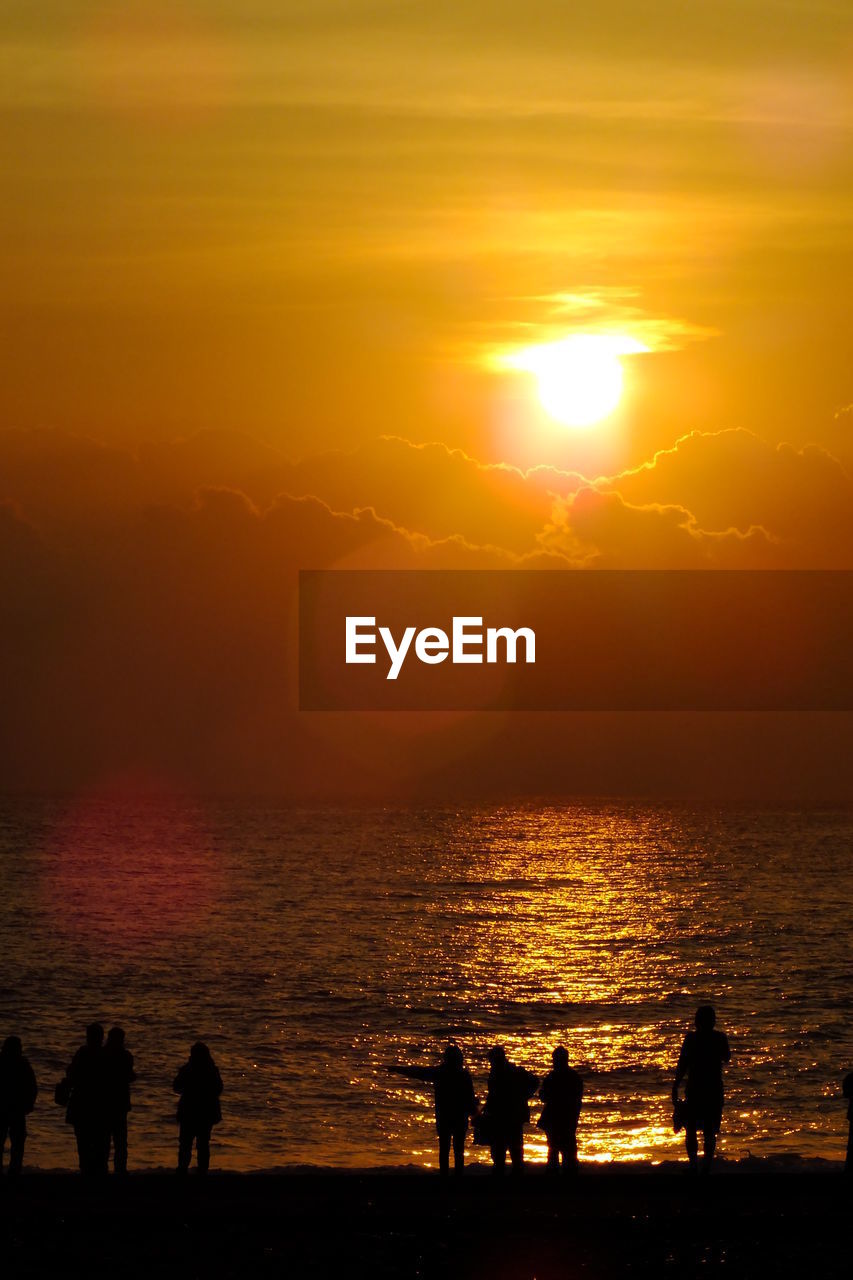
(741,1222)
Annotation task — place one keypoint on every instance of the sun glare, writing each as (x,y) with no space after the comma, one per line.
(579,379)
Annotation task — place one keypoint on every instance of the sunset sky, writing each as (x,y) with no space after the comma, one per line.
(271,276)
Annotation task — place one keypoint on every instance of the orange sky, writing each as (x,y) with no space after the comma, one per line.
(273,248)
(306,221)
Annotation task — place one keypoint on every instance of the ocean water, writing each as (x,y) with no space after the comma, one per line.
(311,948)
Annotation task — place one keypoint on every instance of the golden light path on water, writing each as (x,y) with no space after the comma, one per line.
(312,948)
(581,949)
(609,929)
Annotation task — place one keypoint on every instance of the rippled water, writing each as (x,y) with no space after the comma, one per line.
(311,948)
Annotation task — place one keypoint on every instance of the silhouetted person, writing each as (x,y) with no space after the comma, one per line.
(510,1089)
(119,1075)
(702,1057)
(561,1092)
(18,1091)
(199,1084)
(847,1090)
(455,1103)
(86,1090)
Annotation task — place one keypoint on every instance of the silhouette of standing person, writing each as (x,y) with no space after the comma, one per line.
(455,1103)
(701,1061)
(86,1089)
(847,1090)
(119,1075)
(200,1085)
(18,1090)
(561,1093)
(510,1089)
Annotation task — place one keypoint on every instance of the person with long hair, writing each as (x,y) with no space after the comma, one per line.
(200,1086)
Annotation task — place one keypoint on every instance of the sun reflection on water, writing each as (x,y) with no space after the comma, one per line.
(602,931)
(311,949)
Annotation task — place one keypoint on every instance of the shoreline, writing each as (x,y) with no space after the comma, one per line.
(780,1162)
(769,1166)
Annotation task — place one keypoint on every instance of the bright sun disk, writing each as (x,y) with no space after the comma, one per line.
(579,379)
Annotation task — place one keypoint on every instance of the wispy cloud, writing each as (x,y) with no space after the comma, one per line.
(608,311)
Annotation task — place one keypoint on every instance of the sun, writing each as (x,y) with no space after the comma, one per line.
(579,379)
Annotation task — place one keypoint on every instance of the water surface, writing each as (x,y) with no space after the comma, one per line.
(309,949)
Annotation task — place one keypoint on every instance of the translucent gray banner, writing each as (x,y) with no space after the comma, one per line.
(570,641)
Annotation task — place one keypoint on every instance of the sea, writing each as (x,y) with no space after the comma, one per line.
(312,949)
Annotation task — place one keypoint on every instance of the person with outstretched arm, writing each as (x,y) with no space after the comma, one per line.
(455,1103)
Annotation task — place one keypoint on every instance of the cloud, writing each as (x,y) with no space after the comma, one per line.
(715,500)
(27,572)
(609,310)
(61,480)
(731,479)
(64,481)
(149,626)
(169,646)
(599,529)
(436,490)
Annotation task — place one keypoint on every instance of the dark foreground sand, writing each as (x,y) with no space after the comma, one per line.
(739,1223)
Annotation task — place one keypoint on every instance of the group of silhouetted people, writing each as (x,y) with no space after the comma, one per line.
(499,1125)
(510,1088)
(96,1095)
(95,1092)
